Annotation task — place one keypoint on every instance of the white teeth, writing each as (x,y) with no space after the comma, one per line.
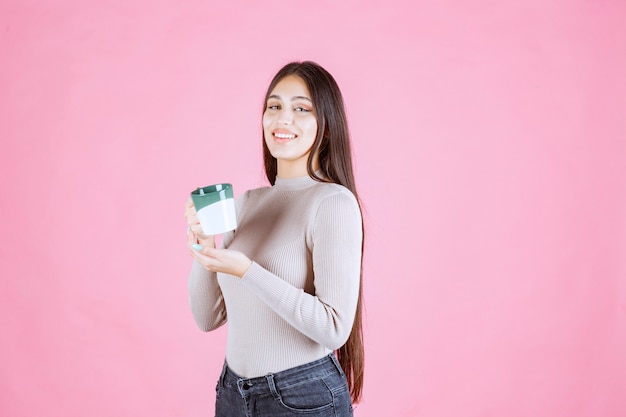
(284,136)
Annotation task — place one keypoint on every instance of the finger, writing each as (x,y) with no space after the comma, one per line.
(212,253)
(197,251)
(191,237)
(190,213)
(197,256)
(197,244)
(206,262)
(190,208)
(194,225)
(206,241)
(197,230)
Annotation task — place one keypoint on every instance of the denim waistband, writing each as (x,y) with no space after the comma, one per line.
(268,383)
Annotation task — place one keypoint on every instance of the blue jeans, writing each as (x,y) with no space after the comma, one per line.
(318,388)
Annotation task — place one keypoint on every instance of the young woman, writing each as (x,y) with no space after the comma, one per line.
(288,279)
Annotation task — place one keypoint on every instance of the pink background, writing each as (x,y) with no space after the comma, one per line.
(490,150)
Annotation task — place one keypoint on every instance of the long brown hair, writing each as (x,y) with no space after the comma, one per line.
(332,143)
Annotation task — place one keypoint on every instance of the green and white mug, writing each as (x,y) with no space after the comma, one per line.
(215,206)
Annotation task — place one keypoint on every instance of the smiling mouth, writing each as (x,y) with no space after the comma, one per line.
(284,136)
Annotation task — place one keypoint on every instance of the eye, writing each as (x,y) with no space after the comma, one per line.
(302,109)
(273,107)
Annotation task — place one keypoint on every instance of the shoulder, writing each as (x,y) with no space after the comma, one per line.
(335,197)
(329,189)
(336,213)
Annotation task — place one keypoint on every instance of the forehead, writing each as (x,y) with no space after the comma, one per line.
(290,86)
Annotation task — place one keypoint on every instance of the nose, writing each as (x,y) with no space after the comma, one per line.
(284,116)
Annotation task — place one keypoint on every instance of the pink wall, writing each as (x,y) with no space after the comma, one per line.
(490,145)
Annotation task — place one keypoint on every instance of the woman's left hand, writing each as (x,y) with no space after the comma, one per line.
(226,261)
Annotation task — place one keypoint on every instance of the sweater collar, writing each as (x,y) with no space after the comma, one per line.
(296,183)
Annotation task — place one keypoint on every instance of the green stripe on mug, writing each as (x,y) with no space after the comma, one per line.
(204,196)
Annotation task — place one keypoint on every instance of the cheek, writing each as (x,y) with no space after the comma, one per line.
(312,127)
(266,126)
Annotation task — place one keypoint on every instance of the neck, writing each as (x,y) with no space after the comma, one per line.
(295,169)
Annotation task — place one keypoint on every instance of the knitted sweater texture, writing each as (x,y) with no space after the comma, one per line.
(297,301)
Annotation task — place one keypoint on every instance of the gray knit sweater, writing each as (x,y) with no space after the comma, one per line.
(297,301)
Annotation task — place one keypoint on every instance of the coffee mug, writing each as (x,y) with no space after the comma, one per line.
(215,206)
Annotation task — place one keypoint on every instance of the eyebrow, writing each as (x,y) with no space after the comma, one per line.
(294,98)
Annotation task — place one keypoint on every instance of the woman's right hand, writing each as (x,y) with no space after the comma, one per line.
(194,225)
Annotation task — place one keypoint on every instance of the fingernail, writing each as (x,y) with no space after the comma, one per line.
(188,229)
(196,246)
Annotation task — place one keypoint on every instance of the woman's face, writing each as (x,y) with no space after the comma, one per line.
(290,126)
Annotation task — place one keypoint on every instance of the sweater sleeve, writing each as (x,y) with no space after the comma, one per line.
(205,295)
(326,316)
(205,298)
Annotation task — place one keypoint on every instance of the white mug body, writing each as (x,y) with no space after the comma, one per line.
(219,217)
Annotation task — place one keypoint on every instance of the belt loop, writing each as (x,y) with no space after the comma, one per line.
(336,362)
(223,374)
(270,383)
